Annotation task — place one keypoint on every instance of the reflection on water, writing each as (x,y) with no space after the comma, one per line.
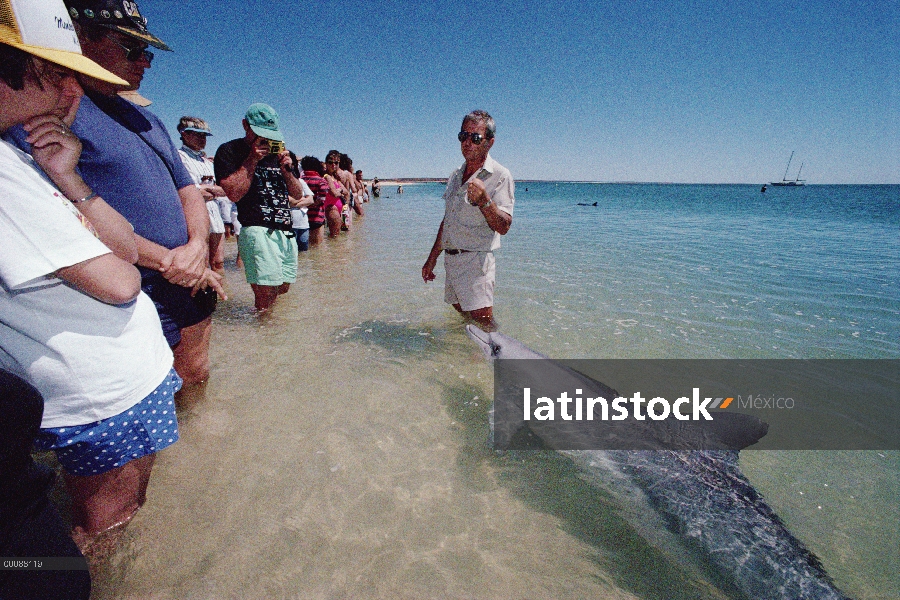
(397,337)
(340,448)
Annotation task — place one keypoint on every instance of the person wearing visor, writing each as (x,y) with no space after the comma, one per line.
(194,132)
(76,324)
(130,160)
(257,172)
(478,207)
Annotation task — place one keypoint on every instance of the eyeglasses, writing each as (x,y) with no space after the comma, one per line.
(332,162)
(476,138)
(133,54)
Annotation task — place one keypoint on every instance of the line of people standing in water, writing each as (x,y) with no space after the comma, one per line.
(340,198)
(108,278)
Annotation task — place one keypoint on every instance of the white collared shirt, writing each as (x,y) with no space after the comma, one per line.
(197,164)
(465,228)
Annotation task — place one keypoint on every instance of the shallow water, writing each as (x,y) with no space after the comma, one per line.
(340,449)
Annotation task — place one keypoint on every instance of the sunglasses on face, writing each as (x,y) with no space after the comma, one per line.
(476,138)
(134,54)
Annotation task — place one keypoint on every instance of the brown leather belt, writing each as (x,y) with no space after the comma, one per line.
(454,252)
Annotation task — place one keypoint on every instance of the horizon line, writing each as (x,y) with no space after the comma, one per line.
(626,182)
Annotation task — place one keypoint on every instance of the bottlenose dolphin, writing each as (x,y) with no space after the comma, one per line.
(698,498)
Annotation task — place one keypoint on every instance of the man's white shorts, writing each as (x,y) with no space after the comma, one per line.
(469,279)
(215,217)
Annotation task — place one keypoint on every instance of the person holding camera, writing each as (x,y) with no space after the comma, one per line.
(257,172)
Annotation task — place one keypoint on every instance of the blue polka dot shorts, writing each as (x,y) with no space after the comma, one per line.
(94,448)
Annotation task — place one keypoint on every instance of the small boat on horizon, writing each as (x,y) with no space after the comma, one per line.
(785,182)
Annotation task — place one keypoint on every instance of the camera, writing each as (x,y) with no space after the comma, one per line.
(275,147)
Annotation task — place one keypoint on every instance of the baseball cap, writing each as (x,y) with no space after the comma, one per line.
(119,15)
(263,121)
(43,28)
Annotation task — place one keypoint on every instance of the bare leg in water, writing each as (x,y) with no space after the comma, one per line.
(484,317)
(192,353)
(265,295)
(105,503)
(333,218)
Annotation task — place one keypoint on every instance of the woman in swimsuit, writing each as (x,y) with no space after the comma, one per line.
(333,203)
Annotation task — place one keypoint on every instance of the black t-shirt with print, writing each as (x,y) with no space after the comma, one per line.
(266,202)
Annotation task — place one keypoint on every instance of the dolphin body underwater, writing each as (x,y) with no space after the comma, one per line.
(694,501)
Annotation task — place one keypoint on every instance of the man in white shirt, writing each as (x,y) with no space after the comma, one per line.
(194,132)
(478,207)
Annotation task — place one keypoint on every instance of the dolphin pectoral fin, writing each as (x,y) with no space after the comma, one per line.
(735,431)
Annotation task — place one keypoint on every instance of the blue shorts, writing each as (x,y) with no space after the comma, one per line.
(302,237)
(176,308)
(94,448)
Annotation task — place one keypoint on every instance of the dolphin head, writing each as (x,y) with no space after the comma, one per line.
(490,348)
(496,345)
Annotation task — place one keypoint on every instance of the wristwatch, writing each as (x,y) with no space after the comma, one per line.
(85,199)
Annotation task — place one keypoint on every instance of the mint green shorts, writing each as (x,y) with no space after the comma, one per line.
(269,255)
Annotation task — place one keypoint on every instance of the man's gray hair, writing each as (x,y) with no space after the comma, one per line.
(482,117)
(192,122)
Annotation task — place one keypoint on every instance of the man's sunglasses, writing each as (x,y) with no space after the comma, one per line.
(476,138)
(134,54)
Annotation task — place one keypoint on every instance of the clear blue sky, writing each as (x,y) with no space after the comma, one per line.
(670,90)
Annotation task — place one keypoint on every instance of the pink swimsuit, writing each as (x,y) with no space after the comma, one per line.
(331,199)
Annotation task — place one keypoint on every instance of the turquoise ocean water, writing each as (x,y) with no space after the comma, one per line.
(708,271)
(341,451)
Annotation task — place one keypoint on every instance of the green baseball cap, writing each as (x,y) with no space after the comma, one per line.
(263,121)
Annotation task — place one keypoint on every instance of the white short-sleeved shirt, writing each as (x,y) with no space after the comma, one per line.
(299,220)
(465,228)
(90,360)
(199,166)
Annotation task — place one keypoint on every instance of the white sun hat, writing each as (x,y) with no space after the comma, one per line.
(43,28)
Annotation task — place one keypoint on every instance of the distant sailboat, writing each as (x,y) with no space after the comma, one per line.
(785,182)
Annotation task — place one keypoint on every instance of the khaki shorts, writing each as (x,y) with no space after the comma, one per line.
(470,279)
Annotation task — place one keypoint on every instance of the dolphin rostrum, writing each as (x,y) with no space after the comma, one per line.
(700,496)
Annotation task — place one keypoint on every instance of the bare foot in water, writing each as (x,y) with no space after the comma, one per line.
(97,547)
(103,504)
